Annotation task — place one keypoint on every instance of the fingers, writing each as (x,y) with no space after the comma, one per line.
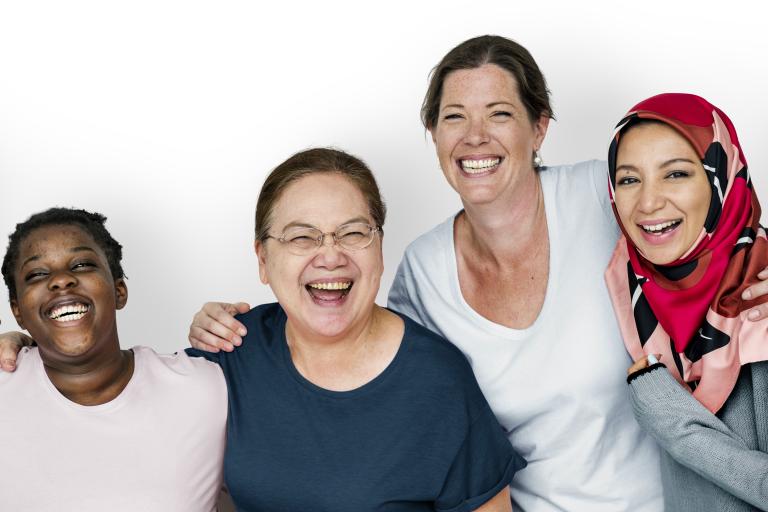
(8,350)
(643,362)
(241,307)
(207,342)
(218,318)
(214,327)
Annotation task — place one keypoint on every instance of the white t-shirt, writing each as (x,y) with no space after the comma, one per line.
(557,387)
(158,446)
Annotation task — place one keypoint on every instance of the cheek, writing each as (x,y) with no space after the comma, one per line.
(623,208)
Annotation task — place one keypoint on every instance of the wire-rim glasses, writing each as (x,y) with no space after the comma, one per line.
(304,240)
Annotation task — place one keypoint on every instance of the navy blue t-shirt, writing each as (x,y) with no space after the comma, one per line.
(419,436)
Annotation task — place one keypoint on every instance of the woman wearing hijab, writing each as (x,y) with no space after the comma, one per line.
(691,245)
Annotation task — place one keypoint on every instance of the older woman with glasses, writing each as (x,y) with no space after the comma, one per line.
(338,404)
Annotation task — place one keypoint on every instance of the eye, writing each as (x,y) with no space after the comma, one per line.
(35,275)
(678,174)
(302,238)
(451,117)
(83,265)
(501,115)
(627,180)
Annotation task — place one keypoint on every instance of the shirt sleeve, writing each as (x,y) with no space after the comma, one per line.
(402,293)
(214,357)
(484,464)
(696,438)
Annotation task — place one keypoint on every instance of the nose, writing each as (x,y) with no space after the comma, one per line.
(651,197)
(62,281)
(477,132)
(330,255)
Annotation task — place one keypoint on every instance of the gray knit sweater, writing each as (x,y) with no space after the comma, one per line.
(709,462)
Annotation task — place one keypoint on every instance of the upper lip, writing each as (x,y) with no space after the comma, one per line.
(64,300)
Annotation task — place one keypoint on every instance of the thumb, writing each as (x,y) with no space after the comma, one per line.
(241,307)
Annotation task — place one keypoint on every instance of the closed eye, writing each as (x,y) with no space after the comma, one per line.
(83,265)
(449,117)
(35,275)
(501,114)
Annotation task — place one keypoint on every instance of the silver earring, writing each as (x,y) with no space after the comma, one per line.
(537,161)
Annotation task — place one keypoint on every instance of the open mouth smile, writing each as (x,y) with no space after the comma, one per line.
(660,228)
(479,167)
(329,292)
(69,312)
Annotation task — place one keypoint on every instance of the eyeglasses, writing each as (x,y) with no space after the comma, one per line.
(302,241)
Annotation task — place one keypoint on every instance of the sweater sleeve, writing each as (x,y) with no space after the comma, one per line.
(696,438)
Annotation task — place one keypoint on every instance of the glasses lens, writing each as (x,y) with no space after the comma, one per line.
(302,240)
(355,236)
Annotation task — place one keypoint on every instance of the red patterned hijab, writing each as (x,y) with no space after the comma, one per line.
(691,310)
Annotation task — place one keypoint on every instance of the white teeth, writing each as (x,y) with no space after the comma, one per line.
(656,228)
(68,313)
(331,286)
(478,166)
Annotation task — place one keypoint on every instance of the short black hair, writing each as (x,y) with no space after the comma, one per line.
(91,222)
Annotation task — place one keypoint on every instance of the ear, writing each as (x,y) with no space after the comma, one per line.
(261,254)
(17,313)
(431,130)
(540,127)
(121,293)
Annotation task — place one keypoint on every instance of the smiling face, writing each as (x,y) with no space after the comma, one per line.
(662,194)
(330,292)
(484,137)
(65,294)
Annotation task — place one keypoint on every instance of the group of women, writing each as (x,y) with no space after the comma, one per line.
(338,404)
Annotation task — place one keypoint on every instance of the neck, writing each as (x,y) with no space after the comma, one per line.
(507,228)
(93,382)
(315,355)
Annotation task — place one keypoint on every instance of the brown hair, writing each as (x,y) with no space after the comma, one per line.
(313,161)
(497,50)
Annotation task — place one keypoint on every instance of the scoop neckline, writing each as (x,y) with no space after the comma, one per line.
(352,393)
(549,294)
(118,401)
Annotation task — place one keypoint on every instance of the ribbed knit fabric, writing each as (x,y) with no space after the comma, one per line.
(709,462)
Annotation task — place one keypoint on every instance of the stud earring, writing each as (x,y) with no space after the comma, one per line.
(537,161)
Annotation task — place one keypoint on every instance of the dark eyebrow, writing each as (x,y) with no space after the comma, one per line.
(626,168)
(677,160)
(74,249)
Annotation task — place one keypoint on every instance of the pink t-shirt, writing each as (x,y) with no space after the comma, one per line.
(158,446)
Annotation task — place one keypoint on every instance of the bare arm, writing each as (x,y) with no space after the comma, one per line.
(502,502)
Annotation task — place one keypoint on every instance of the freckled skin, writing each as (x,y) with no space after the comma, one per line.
(481,115)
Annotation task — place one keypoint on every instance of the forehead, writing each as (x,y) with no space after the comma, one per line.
(654,140)
(322,199)
(48,239)
(488,82)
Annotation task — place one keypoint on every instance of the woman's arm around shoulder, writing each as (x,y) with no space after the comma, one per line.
(695,437)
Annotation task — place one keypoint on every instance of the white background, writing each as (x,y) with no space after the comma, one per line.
(166,116)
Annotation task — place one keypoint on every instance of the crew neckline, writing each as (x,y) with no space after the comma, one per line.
(352,393)
(117,402)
